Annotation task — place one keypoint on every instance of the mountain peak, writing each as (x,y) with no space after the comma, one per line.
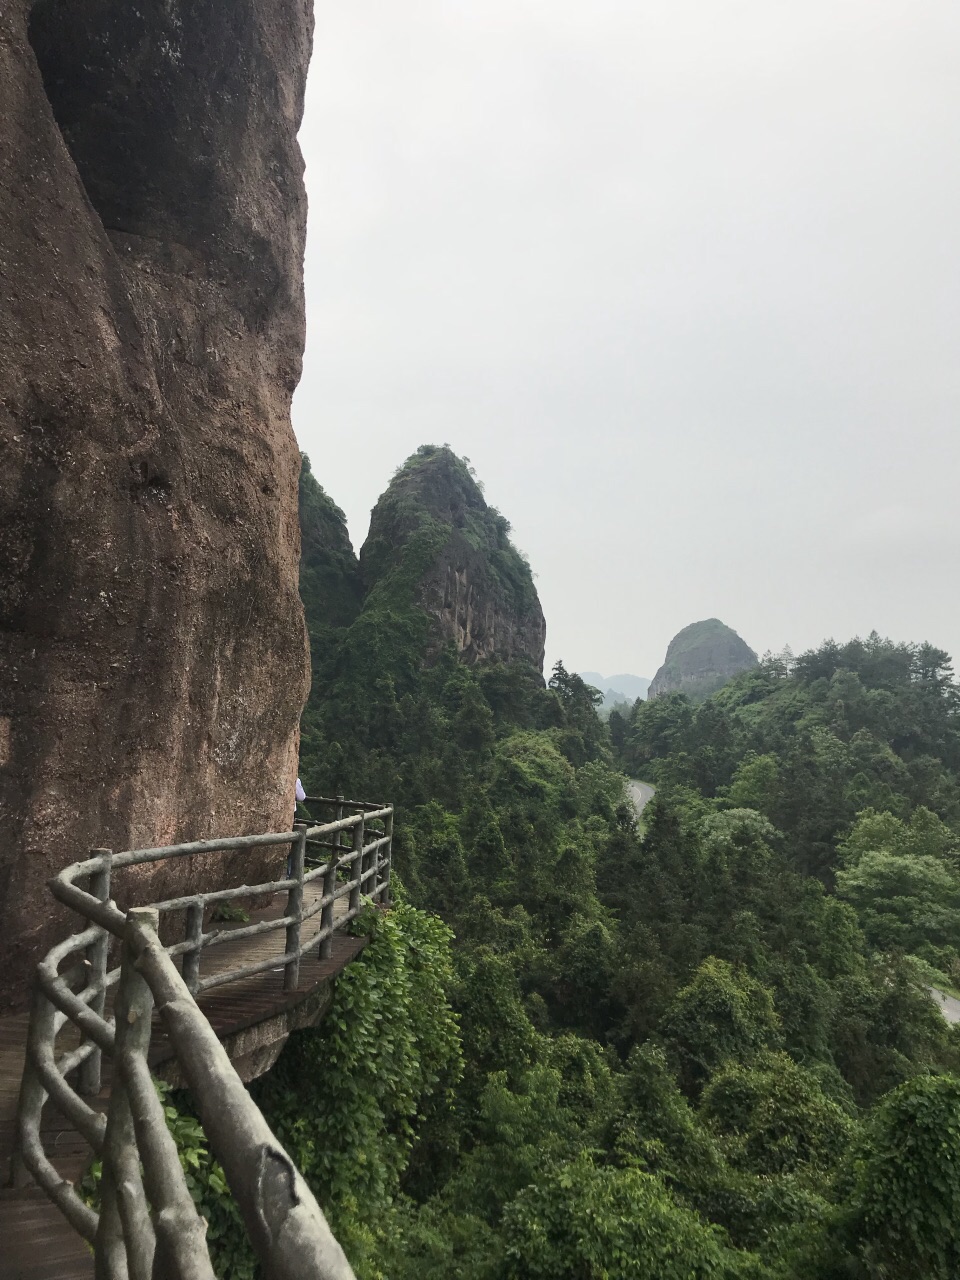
(434,537)
(701,658)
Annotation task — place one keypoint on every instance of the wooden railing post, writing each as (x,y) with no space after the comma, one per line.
(109,1250)
(125,1219)
(181,1250)
(42,1026)
(96,957)
(329,888)
(357,866)
(191,958)
(387,858)
(298,849)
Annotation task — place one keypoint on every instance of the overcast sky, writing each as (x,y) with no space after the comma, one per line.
(681,277)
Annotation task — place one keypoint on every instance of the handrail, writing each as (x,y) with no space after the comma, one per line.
(147,1217)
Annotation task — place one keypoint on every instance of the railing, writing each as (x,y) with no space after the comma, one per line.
(148,1225)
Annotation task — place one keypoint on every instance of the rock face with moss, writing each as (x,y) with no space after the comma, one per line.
(435,552)
(432,534)
(700,659)
(152,648)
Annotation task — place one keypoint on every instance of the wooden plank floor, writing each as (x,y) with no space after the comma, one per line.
(35,1242)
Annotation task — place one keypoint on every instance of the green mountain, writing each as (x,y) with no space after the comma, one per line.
(331,585)
(700,659)
(434,539)
(437,579)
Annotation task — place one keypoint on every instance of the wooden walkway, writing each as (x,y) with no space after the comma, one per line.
(35,1241)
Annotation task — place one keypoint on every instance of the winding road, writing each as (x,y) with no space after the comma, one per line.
(949,1006)
(640,793)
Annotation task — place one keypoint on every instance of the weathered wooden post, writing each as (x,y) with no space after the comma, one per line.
(125,1233)
(109,1250)
(181,1248)
(96,957)
(42,1028)
(191,958)
(329,888)
(298,849)
(357,864)
(387,858)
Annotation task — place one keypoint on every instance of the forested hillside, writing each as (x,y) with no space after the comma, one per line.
(703,1047)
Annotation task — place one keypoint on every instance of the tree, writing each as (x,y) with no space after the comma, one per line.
(724,1013)
(904,903)
(585,1223)
(909,1189)
(778,1116)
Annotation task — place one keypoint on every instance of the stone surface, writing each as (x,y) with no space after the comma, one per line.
(152,648)
(700,659)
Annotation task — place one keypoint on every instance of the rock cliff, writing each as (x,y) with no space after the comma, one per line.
(700,659)
(434,539)
(152,651)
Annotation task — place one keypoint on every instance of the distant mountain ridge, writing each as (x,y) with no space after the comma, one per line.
(701,658)
(620,688)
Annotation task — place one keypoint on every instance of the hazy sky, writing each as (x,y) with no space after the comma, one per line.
(681,277)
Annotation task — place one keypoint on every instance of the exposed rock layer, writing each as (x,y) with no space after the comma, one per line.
(700,659)
(432,534)
(152,653)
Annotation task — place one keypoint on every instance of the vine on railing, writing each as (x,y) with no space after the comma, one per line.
(148,1224)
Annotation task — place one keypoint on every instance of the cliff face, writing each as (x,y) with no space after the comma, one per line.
(700,659)
(434,539)
(152,652)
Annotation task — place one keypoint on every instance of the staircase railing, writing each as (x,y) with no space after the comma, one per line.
(148,1225)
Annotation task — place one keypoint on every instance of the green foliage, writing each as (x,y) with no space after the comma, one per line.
(778,1116)
(903,879)
(587,1222)
(722,1014)
(350,1098)
(230,913)
(905,903)
(909,1183)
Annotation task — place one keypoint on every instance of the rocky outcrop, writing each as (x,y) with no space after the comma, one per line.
(700,659)
(434,539)
(152,652)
